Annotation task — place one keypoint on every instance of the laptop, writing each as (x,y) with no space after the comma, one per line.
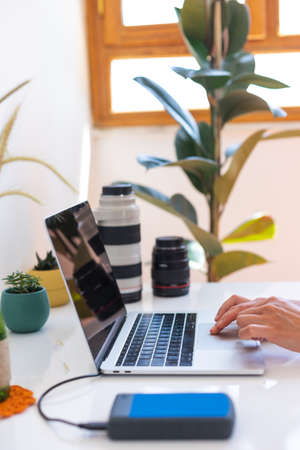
(124,342)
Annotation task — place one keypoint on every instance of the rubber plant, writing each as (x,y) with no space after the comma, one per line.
(6,159)
(215,32)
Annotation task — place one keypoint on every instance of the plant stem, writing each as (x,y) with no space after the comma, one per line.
(218,33)
(216,125)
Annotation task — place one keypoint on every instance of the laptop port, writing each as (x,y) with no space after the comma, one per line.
(116,371)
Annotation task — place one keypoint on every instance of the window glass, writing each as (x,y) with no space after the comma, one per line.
(142,12)
(129,96)
(284,67)
(289,11)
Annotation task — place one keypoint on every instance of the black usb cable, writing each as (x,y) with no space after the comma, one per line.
(86,426)
(214,419)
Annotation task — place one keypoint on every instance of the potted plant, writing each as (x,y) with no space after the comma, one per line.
(215,32)
(24,304)
(47,271)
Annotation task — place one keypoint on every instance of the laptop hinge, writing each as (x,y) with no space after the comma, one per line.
(110,340)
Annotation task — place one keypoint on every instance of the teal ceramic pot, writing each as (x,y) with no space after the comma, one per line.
(25,313)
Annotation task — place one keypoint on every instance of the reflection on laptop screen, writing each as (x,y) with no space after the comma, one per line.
(85,266)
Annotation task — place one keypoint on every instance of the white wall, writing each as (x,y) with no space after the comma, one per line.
(270,182)
(43,41)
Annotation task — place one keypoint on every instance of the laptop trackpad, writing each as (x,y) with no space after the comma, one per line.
(226,353)
(227,340)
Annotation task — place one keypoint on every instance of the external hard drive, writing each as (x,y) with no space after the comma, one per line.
(171,416)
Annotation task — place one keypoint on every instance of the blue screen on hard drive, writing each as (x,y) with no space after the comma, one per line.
(85,266)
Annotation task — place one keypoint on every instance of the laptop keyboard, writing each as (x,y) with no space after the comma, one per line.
(160,340)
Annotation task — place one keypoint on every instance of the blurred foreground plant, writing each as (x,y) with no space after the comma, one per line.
(6,159)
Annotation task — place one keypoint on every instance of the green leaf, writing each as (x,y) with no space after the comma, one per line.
(184,118)
(239,63)
(186,148)
(195,164)
(208,241)
(13,90)
(196,47)
(42,163)
(3,142)
(5,134)
(199,51)
(192,164)
(239,81)
(225,183)
(239,22)
(258,228)
(196,255)
(231,150)
(19,193)
(194,15)
(241,102)
(207,139)
(229,262)
(225,15)
(182,71)
(182,205)
(210,79)
(281,135)
(151,162)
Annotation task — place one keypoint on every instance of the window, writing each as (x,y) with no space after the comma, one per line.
(130,38)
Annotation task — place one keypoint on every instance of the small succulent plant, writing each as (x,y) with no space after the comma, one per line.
(48,263)
(22,283)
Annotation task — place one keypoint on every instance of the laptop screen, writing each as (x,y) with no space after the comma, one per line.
(87,271)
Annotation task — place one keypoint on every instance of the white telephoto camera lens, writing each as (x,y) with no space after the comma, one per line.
(118,220)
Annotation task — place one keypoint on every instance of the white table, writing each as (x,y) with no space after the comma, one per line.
(267,407)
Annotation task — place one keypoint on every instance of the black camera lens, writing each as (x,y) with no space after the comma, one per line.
(170,267)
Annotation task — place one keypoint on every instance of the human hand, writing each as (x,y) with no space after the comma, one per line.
(273,319)
(230,309)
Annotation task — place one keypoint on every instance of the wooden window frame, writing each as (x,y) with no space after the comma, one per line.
(109,39)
